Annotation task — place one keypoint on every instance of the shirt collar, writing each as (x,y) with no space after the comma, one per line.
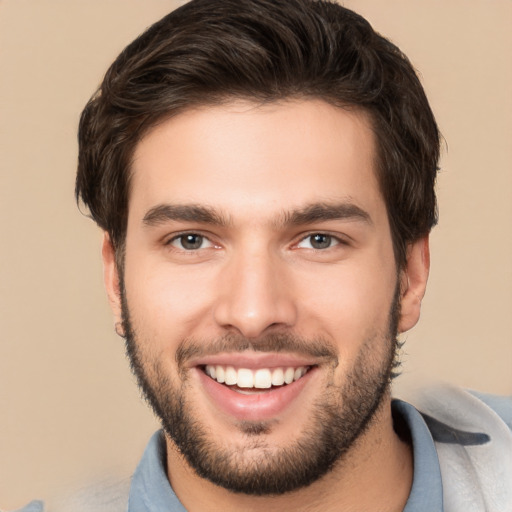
(427,487)
(151,491)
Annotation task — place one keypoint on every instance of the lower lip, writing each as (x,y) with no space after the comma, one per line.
(255,406)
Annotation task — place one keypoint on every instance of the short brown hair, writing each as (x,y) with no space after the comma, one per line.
(208,52)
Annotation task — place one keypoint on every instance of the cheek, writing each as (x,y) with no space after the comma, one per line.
(165,301)
(348,304)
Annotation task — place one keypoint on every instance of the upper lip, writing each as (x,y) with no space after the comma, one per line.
(253,360)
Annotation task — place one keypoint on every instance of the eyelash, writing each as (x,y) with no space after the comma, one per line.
(188,234)
(331,238)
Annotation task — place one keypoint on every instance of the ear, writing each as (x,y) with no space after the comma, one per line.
(413,283)
(111,280)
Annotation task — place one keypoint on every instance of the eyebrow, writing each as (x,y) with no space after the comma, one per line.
(310,214)
(318,212)
(183,213)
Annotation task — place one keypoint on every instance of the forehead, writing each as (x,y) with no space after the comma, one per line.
(266,157)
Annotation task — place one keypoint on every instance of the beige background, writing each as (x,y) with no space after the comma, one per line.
(70,412)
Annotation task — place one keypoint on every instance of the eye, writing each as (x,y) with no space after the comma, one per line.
(318,241)
(190,242)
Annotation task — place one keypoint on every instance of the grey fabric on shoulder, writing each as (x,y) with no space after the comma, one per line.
(473,441)
(33,506)
(502,405)
(109,496)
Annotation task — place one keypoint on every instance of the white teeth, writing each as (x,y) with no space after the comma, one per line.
(220,374)
(230,376)
(263,378)
(278,377)
(245,378)
(288,375)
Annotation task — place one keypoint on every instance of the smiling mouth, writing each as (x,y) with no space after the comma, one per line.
(245,380)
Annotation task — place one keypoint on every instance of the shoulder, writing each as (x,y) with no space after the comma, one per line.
(33,506)
(467,409)
(472,433)
(106,496)
(501,405)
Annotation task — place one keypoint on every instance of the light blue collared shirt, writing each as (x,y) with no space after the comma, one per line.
(150,490)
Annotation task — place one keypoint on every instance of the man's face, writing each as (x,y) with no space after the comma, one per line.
(260,288)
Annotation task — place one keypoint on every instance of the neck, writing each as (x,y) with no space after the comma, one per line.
(375,474)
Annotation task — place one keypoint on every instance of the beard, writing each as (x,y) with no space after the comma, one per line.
(337,420)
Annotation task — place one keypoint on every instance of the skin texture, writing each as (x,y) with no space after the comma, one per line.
(264,177)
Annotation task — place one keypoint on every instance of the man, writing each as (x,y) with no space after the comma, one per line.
(264,174)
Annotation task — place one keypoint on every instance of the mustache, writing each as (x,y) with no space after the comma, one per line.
(317,348)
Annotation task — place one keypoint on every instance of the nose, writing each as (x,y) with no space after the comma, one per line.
(255,295)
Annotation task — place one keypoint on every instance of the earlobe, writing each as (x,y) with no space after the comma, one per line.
(413,283)
(111,280)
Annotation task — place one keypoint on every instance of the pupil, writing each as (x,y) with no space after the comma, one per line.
(320,241)
(191,241)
